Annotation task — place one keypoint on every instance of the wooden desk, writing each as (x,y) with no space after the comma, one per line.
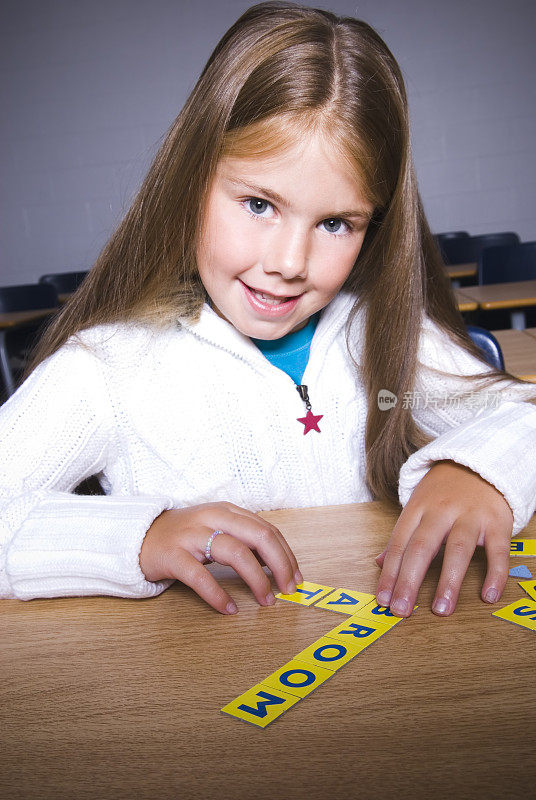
(107,698)
(10,319)
(464,302)
(461,270)
(503,295)
(519,351)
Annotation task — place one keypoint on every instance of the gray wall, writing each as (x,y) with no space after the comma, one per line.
(90,87)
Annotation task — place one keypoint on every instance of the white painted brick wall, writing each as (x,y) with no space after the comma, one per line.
(90,88)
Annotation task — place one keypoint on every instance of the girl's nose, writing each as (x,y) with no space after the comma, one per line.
(288,253)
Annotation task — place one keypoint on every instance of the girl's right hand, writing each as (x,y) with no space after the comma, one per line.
(174,547)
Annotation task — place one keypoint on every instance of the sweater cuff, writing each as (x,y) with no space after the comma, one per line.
(52,555)
(499,445)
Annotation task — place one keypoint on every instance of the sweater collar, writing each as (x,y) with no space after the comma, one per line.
(212,328)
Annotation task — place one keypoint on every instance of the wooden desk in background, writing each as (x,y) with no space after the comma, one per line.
(464,302)
(519,351)
(109,698)
(515,294)
(11,319)
(455,271)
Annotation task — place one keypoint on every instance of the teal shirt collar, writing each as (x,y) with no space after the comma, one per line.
(291,342)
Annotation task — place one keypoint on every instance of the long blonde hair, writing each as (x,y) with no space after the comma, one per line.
(282,68)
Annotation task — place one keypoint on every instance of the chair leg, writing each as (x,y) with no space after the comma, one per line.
(518,320)
(5,367)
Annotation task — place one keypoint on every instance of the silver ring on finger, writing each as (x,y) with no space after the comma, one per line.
(208,546)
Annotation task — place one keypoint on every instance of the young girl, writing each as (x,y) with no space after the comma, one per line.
(278,242)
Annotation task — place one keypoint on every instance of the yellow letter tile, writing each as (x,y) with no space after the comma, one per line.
(522,612)
(529,587)
(299,678)
(345,601)
(379,613)
(523,547)
(260,705)
(306,593)
(360,632)
(329,653)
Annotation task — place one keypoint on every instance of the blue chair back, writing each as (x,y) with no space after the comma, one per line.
(27,297)
(515,262)
(457,250)
(64,282)
(488,344)
(467,249)
(441,237)
(495,240)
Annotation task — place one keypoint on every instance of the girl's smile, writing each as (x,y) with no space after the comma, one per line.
(280,236)
(268,303)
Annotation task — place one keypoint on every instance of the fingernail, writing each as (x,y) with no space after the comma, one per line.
(440,606)
(231,608)
(400,607)
(291,588)
(492,595)
(384,598)
(298,577)
(270,599)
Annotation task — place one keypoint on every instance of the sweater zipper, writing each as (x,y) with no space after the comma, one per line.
(310,421)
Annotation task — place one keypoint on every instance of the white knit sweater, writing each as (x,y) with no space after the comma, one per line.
(195,414)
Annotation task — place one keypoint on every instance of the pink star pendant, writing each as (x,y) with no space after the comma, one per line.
(310,422)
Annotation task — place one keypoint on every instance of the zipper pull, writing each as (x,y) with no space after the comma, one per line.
(310,421)
(304,394)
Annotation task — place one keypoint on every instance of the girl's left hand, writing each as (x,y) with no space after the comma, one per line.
(455,506)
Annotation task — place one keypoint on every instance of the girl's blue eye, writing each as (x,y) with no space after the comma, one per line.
(333,224)
(258,206)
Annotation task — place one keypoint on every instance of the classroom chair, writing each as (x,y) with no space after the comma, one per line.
(494,240)
(447,243)
(514,262)
(489,345)
(441,237)
(64,282)
(456,250)
(17,340)
(467,249)
(27,297)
